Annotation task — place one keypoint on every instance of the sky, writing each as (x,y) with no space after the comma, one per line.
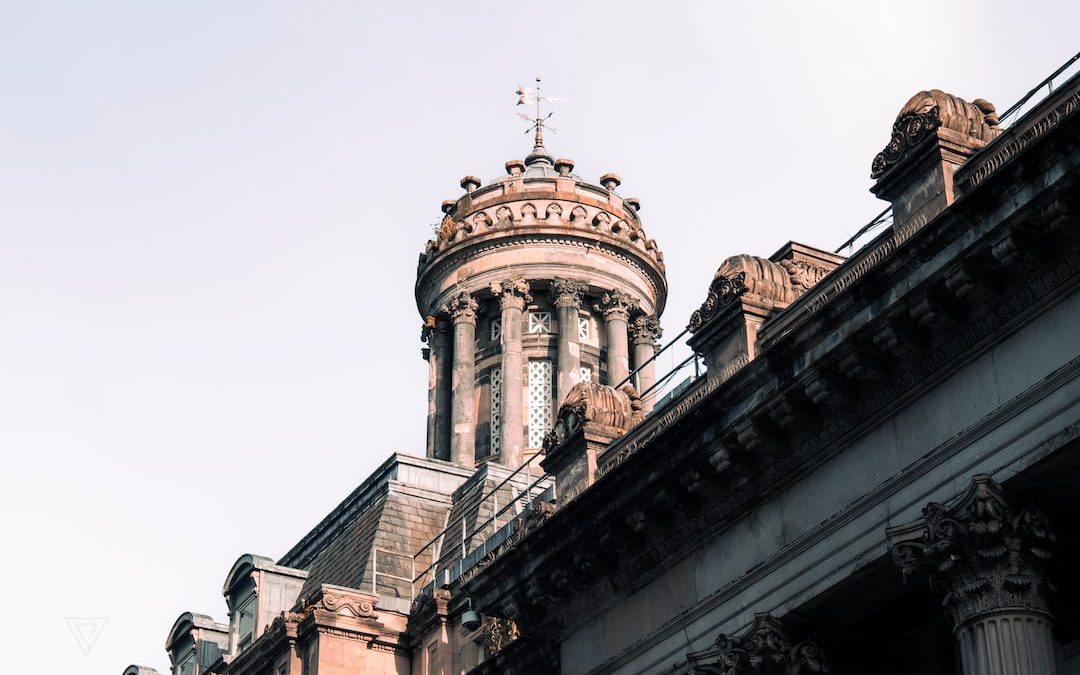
(211,213)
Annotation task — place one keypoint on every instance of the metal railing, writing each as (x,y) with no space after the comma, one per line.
(1068,69)
(1065,71)
(519,499)
(527,488)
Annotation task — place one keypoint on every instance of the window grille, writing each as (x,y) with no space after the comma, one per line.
(496,409)
(539,322)
(586,374)
(539,401)
(583,327)
(496,330)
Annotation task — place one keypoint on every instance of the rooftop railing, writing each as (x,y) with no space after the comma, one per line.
(674,358)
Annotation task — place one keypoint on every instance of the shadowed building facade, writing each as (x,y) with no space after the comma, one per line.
(877,471)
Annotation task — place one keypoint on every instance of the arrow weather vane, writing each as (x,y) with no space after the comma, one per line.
(530,96)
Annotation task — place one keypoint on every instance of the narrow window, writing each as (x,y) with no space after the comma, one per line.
(586,374)
(496,330)
(245,624)
(583,327)
(539,322)
(496,409)
(539,401)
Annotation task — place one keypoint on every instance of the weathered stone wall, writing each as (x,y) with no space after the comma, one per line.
(996,415)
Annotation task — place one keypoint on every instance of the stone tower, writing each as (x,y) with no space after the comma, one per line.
(533,282)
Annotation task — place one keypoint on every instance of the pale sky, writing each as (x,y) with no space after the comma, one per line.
(211,212)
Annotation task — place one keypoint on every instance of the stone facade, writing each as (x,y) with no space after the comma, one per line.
(876,474)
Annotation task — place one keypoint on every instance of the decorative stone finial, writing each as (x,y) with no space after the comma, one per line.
(564,166)
(515,167)
(470,183)
(984,554)
(924,114)
(599,404)
(448,205)
(610,180)
(632,202)
(743,274)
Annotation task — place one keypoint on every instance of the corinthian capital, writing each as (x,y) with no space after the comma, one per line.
(461,307)
(568,292)
(616,305)
(511,293)
(765,648)
(645,328)
(982,553)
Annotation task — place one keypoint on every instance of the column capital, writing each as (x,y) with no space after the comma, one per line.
(616,305)
(765,648)
(512,293)
(568,292)
(982,552)
(645,329)
(462,307)
(435,331)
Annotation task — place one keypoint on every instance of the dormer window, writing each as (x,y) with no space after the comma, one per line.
(245,623)
(539,322)
(187,666)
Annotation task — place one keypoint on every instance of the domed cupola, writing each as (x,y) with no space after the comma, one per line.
(532,283)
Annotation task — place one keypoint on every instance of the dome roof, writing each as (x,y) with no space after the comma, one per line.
(538,164)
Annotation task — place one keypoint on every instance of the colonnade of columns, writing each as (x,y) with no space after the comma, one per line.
(988,560)
(451,355)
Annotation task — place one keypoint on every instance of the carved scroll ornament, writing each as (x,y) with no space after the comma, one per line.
(764,650)
(981,553)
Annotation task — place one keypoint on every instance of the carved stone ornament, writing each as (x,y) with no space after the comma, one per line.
(590,402)
(924,114)
(461,307)
(764,650)
(646,328)
(741,274)
(616,304)
(496,633)
(983,554)
(343,603)
(512,292)
(568,292)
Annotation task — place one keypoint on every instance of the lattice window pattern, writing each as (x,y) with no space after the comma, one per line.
(496,410)
(539,401)
(583,327)
(496,330)
(539,322)
(586,374)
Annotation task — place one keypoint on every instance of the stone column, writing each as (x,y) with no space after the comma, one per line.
(615,307)
(462,309)
(645,331)
(435,333)
(989,560)
(513,295)
(567,295)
